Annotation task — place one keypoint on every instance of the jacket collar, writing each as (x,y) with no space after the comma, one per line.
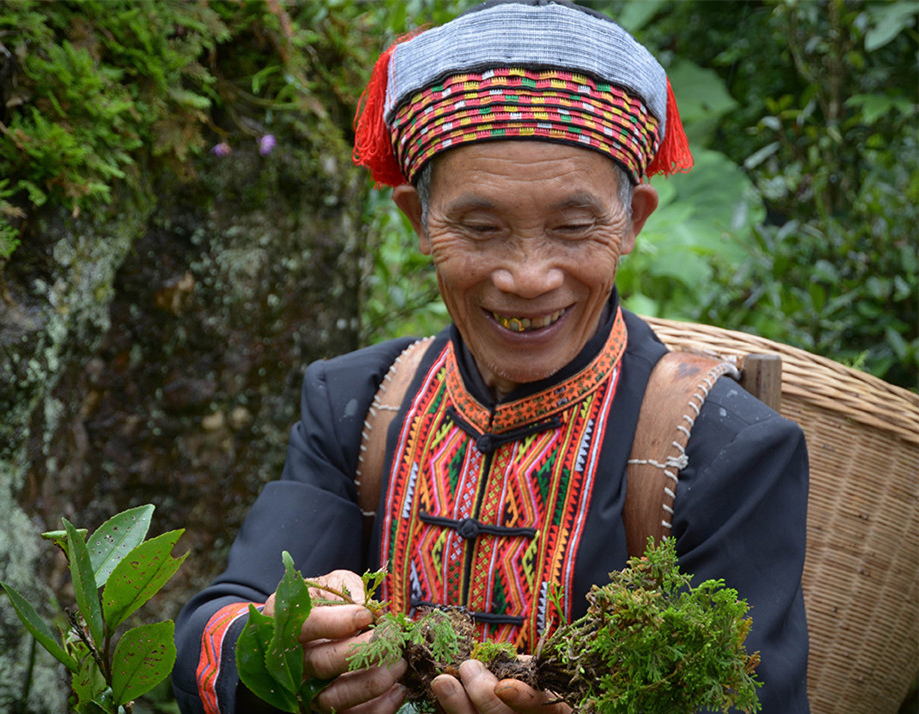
(535,401)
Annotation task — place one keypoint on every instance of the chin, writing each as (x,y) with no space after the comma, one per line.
(524,375)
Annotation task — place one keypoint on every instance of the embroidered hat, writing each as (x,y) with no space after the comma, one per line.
(519,69)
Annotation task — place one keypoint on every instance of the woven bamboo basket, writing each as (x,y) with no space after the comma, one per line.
(861,572)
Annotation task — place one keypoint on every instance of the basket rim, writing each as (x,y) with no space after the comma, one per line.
(833,386)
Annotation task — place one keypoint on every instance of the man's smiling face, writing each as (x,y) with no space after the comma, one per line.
(526,238)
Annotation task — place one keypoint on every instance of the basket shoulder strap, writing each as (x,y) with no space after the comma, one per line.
(677,388)
(383,409)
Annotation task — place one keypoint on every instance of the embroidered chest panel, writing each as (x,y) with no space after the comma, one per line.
(486,509)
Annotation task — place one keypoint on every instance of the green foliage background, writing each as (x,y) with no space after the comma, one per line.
(798,222)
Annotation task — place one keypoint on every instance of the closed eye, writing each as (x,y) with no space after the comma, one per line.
(481,229)
(573,229)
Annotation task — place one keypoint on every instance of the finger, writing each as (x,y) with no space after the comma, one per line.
(480,684)
(524,699)
(355,688)
(343,581)
(268,608)
(387,703)
(329,658)
(451,696)
(335,622)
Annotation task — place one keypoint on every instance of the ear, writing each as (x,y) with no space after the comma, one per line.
(406,198)
(644,203)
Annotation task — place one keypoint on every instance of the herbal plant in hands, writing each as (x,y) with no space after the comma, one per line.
(649,643)
(269,655)
(107,676)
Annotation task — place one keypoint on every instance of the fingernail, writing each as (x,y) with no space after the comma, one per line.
(399,693)
(443,686)
(363,618)
(471,667)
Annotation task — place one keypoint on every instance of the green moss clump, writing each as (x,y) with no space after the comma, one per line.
(97,88)
(649,643)
(101,93)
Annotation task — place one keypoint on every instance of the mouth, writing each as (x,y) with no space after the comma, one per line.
(526,324)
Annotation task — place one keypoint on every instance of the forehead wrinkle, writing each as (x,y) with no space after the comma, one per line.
(580,199)
(470,202)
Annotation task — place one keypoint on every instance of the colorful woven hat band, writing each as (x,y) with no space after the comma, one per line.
(518,103)
(519,69)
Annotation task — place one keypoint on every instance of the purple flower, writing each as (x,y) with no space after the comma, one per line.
(266,144)
(221,149)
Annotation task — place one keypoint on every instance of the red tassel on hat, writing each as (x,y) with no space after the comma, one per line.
(673,154)
(372,143)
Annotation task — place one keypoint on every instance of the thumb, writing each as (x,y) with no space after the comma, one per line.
(342,580)
(523,698)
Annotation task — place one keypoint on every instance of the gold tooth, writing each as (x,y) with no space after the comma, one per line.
(516,324)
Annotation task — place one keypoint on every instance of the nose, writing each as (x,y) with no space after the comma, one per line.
(529,272)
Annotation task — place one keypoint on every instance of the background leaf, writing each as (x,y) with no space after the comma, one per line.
(139,576)
(143,658)
(891,19)
(38,627)
(84,583)
(116,538)
(702,98)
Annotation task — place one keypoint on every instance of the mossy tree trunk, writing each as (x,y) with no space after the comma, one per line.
(154,355)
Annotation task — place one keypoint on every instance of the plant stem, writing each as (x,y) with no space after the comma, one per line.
(346,598)
(27,685)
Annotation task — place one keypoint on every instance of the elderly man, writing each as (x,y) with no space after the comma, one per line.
(516,138)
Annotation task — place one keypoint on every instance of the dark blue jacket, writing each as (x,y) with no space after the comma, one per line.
(740,510)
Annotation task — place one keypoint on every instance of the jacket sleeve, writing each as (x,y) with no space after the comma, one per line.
(740,515)
(310,512)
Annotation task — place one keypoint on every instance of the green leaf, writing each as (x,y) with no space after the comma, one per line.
(115,538)
(635,15)
(39,628)
(702,97)
(877,106)
(311,688)
(292,605)
(372,581)
(88,684)
(59,538)
(259,77)
(139,576)
(251,649)
(642,304)
(897,343)
(84,583)
(890,20)
(758,157)
(143,658)
(683,267)
(93,707)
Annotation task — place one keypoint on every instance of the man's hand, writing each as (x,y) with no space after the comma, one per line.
(478,691)
(328,635)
